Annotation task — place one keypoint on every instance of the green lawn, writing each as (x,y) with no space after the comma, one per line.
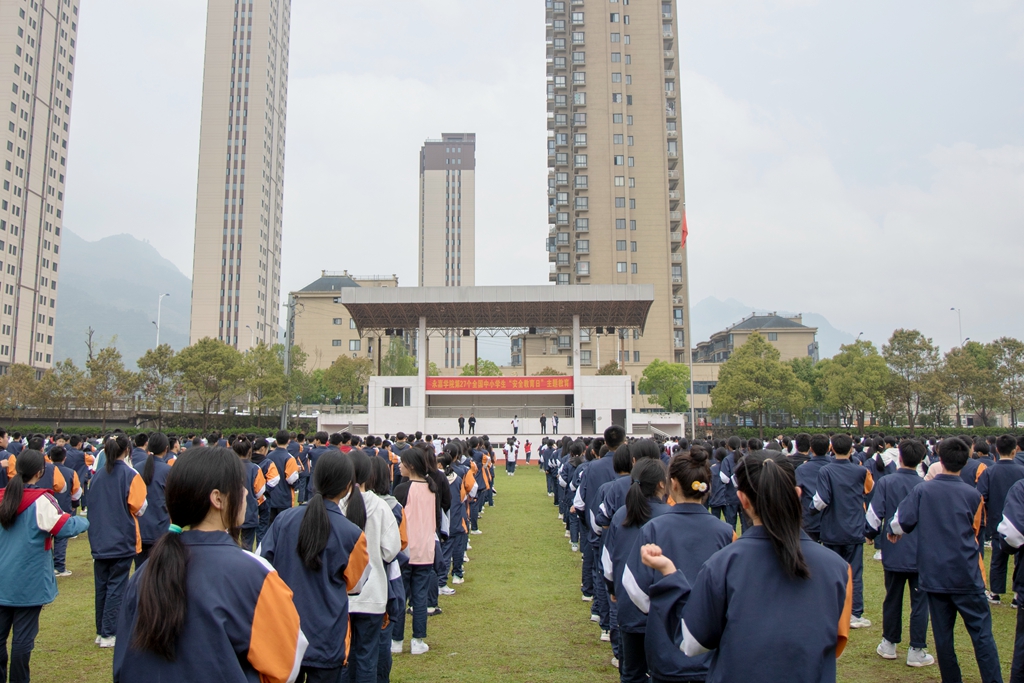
(518,617)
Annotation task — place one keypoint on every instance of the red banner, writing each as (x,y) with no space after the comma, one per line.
(561,383)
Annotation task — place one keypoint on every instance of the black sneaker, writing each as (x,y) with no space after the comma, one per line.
(993,598)
(1014,603)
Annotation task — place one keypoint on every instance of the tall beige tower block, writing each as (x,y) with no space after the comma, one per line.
(447,231)
(236,269)
(615,175)
(38,39)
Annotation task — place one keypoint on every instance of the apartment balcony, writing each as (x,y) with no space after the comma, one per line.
(676,236)
(666,32)
(666,15)
(669,73)
(675,215)
(677,322)
(672,134)
(552,269)
(673,154)
(679,343)
(673,175)
(677,257)
(673,194)
(670,54)
(677,279)
(677,300)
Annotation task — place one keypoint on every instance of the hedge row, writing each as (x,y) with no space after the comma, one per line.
(899,432)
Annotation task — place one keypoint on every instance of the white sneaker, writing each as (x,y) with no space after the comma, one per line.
(575,547)
(98,639)
(469,546)
(63,573)
(605,637)
(595,617)
(567,535)
(886,650)
(418,647)
(588,598)
(859,622)
(918,657)
(551,495)
(396,647)
(476,532)
(465,557)
(877,556)
(108,642)
(457,580)
(615,662)
(445,590)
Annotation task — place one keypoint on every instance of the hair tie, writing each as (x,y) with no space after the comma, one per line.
(174,529)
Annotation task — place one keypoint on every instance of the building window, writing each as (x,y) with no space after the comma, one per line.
(620,202)
(617,139)
(580,161)
(616,97)
(615,17)
(582,224)
(620,223)
(584,357)
(583,267)
(581,182)
(616,118)
(577,38)
(617,77)
(397,397)
(620,267)
(351,323)
(564,341)
(773,336)
(632,246)
(582,246)
(562,279)
(579,98)
(620,181)
(337,321)
(615,37)
(632,225)
(616,56)
(620,245)
(636,356)
(619,159)
(335,342)
(633,268)
(582,203)
(355,344)
(632,203)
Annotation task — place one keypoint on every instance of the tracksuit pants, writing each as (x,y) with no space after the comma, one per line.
(24,621)
(973,608)
(111,579)
(588,569)
(363,647)
(633,658)
(417,586)
(892,609)
(60,554)
(998,565)
(854,555)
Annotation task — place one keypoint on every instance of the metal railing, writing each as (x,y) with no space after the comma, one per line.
(493,412)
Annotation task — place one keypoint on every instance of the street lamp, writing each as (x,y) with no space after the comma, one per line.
(252,336)
(959,324)
(159,302)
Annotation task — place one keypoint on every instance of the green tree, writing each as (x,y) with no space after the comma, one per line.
(610,368)
(159,378)
(809,372)
(549,371)
(17,389)
(853,381)
(755,381)
(1008,362)
(109,380)
(484,368)
(911,357)
(666,385)
(347,377)
(432,369)
(60,388)
(969,374)
(209,369)
(397,362)
(262,375)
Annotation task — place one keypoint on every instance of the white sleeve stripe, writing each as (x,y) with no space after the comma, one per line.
(873,521)
(690,646)
(1013,536)
(606,563)
(724,477)
(639,598)
(819,504)
(593,523)
(578,501)
(294,478)
(271,483)
(142,510)
(894,525)
(48,513)
(394,571)
(300,652)
(259,494)
(362,580)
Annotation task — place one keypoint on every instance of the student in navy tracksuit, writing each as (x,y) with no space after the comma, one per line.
(611,497)
(807,480)
(774,605)
(66,499)
(271,477)
(839,497)
(154,470)
(587,501)
(1010,533)
(314,453)
(716,501)
(76,460)
(993,486)
(322,556)
(118,499)
(645,500)
(732,503)
(201,609)
(30,520)
(255,488)
(947,515)
(280,496)
(899,560)
(688,535)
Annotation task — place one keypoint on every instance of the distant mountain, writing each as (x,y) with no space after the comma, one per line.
(713,315)
(112,285)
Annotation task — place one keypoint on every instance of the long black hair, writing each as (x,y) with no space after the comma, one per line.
(379,480)
(356,512)
(333,476)
(692,471)
(415,459)
(163,600)
(769,482)
(115,447)
(158,444)
(647,474)
(30,463)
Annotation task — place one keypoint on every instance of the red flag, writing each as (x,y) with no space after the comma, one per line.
(685,231)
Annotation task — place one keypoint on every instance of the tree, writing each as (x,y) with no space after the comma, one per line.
(911,356)
(853,381)
(60,388)
(262,374)
(347,377)
(159,378)
(484,368)
(754,380)
(432,369)
(397,362)
(17,389)
(209,368)
(549,371)
(1008,364)
(970,374)
(610,368)
(109,381)
(666,384)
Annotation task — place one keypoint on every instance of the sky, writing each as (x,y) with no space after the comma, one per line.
(859,159)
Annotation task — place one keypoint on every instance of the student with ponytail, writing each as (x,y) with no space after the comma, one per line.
(774,605)
(688,535)
(255,488)
(200,609)
(365,509)
(380,483)
(117,499)
(645,499)
(155,469)
(30,520)
(322,556)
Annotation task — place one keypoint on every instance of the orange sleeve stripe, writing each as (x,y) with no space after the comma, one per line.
(403,532)
(60,484)
(12,466)
(981,468)
(260,482)
(77,484)
(869,482)
(290,467)
(358,561)
(275,621)
(734,536)
(89,460)
(136,494)
(272,471)
(844,618)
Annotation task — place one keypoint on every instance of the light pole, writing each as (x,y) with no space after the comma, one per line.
(252,336)
(159,303)
(959,325)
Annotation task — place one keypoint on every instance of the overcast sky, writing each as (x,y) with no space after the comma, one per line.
(859,159)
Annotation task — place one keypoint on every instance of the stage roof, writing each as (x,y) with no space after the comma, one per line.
(452,308)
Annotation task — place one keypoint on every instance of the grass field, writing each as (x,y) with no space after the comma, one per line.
(518,617)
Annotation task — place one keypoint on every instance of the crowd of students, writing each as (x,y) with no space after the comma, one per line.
(273,559)
(682,596)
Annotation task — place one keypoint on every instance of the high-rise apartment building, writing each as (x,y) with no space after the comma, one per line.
(615,179)
(37,52)
(236,269)
(447,230)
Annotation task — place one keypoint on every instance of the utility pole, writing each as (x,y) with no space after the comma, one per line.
(159,301)
(289,332)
